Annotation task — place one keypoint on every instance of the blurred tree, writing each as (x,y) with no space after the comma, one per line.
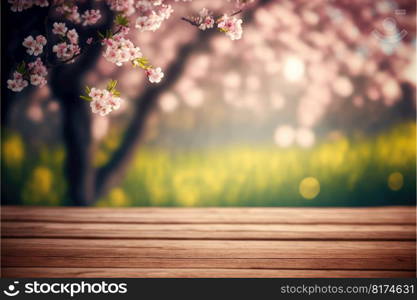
(343,59)
(85,182)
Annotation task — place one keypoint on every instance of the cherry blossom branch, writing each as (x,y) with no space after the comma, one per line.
(118,49)
(194,23)
(236,13)
(190,21)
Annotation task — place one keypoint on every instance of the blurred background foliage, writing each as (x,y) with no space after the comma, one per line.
(338,171)
(314,106)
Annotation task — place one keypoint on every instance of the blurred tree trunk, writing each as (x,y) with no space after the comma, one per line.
(66,83)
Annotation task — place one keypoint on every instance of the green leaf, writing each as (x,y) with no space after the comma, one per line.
(142,63)
(122,20)
(100,35)
(21,68)
(87,98)
(109,34)
(87,90)
(111,85)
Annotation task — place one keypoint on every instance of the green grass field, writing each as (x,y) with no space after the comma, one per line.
(378,170)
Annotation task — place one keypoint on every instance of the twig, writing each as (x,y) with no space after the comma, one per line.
(190,21)
(236,12)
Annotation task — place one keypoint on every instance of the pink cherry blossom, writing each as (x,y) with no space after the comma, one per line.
(37,80)
(65,51)
(59,28)
(154,75)
(34,46)
(72,35)
(152,14)
(205,19)
(29,42)
(20,5)
(103,102)
(232,26)
(17,84)
(70,12)
(119,50)
(40,39)
(90,17)
(127,7)
(36,73)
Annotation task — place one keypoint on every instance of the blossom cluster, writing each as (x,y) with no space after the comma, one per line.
(90,17)
(70,11)
(126,7)
(17,83)
(152,14)
(21,5)
(34,45)
(119,50)
(35,73)
(69,48)
(103,101)
(230,25)
(205,19)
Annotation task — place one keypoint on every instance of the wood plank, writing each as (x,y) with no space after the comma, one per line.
(194,273)
(203,249)
(388,263)
(271,215)
(213,242)
(213,231)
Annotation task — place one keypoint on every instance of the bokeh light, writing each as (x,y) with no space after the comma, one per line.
(395,181)
(293,69)
(309,187)
(284,136)
(305,137)
(168,102)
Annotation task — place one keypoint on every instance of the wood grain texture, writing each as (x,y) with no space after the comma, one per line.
(391,263)
(193,273)
(270,215)
(213,231)
(208,242)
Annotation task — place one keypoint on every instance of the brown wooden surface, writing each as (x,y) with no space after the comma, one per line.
(208,242)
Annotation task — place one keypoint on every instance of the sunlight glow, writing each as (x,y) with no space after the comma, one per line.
(168,102)
(305,137)
(293,68)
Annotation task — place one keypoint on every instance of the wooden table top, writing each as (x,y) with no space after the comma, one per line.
(208,242)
